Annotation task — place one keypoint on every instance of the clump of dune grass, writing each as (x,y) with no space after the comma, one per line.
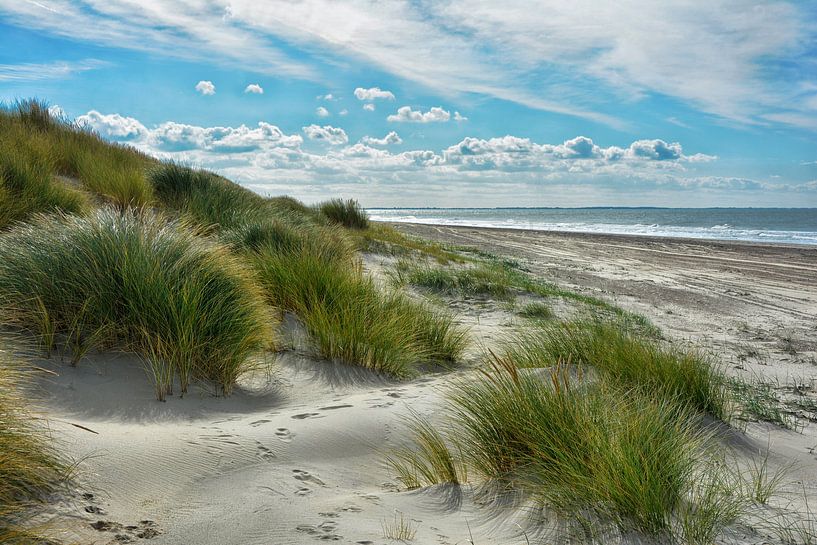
(431,459)
(344,212)
(207,198)
(27,184)
(481,279)
(30,468)
(537,310)
(585,448)
(137,282)
(113,172)
(291,207)
(118,178)
(757,400)
(350,319)
(385,239)
(633,361)
(399,528)
(280,237)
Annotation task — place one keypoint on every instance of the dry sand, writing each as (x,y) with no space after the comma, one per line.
(295,456)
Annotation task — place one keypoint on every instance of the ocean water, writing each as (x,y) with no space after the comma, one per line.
(773,225)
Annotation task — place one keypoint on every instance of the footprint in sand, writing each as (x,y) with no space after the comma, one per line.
(351,508)
(306,477)
(259,422)
(303,416)
(284,435)
(264,453)
(334,407)
(370,497)
(303,491)
(323,531)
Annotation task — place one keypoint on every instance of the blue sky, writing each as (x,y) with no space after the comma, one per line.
(454,103)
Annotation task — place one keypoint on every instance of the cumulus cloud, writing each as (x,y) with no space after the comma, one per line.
(331,135)
(113,126)
(254,88)
(206,87)
(373,93)
(458,117)
(368,107)
(406,114)
(390,139)
(320,111)
(343,112)
(266,157)
(512,153)
(656,149)
(171,136)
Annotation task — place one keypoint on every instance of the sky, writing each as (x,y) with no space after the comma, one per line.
(409,103)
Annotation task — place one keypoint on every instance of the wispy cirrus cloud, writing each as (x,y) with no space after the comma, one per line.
(566,58)
(45,71)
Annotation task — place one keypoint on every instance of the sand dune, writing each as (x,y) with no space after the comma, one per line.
(295,455)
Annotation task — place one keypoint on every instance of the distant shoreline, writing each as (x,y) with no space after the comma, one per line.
(620,237)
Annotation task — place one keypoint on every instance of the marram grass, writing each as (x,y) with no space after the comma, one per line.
(30,468)
(32,136)
(586,449)
(348,213)
(135,281)
(27,183)
(351,319)
(687,377)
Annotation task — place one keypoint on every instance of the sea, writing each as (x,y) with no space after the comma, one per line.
(772,225)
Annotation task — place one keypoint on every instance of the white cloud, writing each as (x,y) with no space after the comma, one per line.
(459,118)
(389,139)
(254,88)
(206,87)
(507,169)
(343,112)
(320,111)
(332,135)
(172,136)
(406,114)
(550,58)
(113,126)
(373,93)
(44,71)
(55,110)
(368,107)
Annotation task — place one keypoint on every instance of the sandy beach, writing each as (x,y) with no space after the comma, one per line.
(295,456)
(754,304)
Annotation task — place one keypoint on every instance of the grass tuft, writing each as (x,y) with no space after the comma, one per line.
(344,212)
(578,447)
(430,461)
(537,311)
(629,359)
(399,529)
(30,468)
(134,281)
(350,319)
